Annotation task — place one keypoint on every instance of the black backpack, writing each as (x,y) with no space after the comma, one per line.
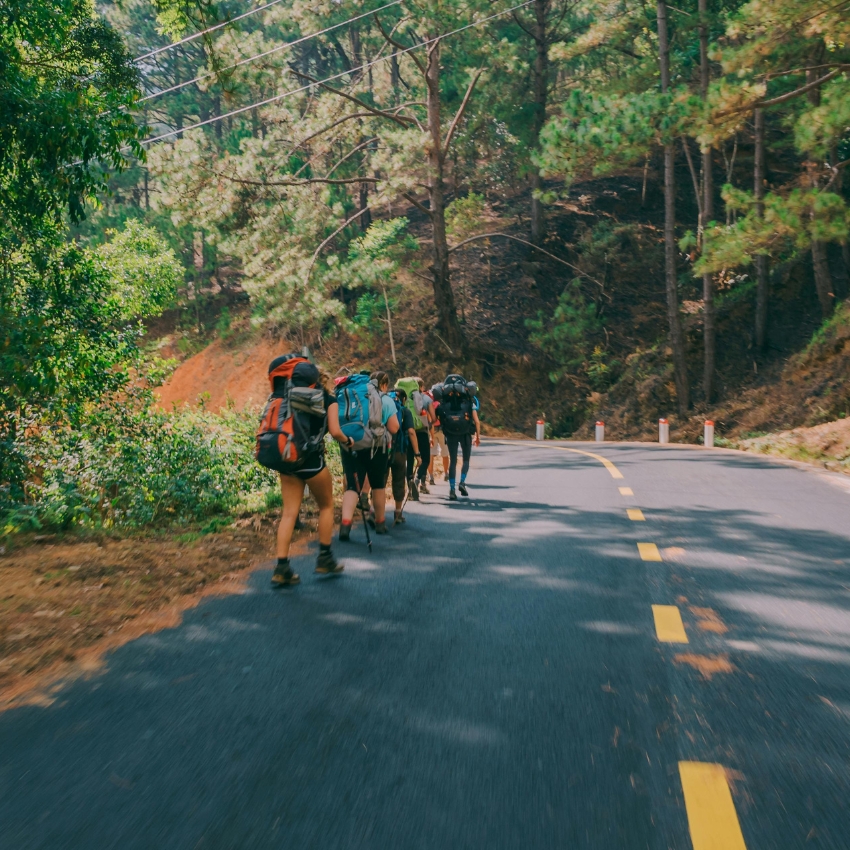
(455,410)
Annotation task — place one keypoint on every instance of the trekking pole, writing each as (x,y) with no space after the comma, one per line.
(407,495)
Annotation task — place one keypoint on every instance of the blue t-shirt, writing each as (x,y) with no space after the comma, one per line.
(387,409)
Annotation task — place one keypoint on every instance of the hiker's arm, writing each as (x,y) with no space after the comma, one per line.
(392,424)
(333,426)
(413,441)
(477,422)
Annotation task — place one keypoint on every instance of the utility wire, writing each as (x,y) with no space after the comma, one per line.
(277,49)
(310,85)
(192,37)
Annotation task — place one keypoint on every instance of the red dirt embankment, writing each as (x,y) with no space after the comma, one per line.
(222,375)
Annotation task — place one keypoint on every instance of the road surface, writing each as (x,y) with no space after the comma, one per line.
(509,671)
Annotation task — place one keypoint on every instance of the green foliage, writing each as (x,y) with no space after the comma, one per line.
(565,337)
(463,216)
(370,309)
(144,272)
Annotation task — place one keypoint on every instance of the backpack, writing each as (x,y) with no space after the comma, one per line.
(360,412)
(455,408)
(414,401)
(401,439)
(293,423)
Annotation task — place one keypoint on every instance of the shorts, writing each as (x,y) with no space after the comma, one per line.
(439,444)
(363,464)
(314,463)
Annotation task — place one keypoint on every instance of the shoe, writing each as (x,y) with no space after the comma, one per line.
(370,518)
(423,488)
(326,563)
(381,528)
(431,480)
(399,518)
(414,490)
(344,533)
(284,577)
(446,476)
(363,502)
(452,496)
(462,488)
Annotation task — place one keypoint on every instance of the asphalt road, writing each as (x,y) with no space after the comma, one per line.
(490,677)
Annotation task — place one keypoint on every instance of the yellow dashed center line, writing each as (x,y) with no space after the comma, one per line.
(712,818)
(636,515)
(649,552)
(626,491)
(668,624)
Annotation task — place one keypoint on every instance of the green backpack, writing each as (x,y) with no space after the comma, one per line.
(411,386)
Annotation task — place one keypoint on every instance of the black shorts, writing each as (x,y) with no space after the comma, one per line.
(314,463)
(358,466)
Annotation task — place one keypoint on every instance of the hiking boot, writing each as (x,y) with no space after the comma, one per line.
(446,476)
(363,502)
(431,480)
(399,518)
(462,488)
(381,527)
(414,490)
(327,564)
(423,487)
(345,533)
(284,577)
(452,496)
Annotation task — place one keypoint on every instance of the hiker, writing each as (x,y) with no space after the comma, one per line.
(459,418)
(420,408)
(368,415)
(440,450)
(290,440)
(406,437)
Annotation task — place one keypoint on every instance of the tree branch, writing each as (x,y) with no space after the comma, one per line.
(399,45)
(531,245)
(351,153)
(416,204)
(402,121)
(329,239)
(694,178)
(761,104)
(460,111)
(305,182)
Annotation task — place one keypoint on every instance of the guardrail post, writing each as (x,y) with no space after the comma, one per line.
(541,430)
(663,431)
(600,432)
(708,434)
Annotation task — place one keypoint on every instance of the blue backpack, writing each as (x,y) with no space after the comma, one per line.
(401,439)
(360,412)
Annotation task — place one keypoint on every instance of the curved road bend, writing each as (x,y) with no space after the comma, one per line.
(506,672)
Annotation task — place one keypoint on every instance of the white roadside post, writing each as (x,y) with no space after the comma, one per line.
(541,430)
(600,432)
(663,431)
(708,434)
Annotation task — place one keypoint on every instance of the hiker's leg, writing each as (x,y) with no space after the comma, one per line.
(452,441)
(322,488)
(466,448)
(291,491)
(411,459)
(425,451)
(353,482)
(378,477)
(399,469)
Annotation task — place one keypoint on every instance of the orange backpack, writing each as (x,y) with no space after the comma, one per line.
(293,424)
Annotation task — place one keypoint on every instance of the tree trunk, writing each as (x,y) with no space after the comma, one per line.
(677,343)
(762,292)
(823,278)
(365,219)
(443,294)
(709,332)
(395,77)
(356,53)
(541,92)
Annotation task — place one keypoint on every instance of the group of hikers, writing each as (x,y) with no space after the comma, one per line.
(382,432)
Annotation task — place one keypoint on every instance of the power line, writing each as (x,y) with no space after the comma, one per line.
(310,85)
(277,49)
(207,30)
